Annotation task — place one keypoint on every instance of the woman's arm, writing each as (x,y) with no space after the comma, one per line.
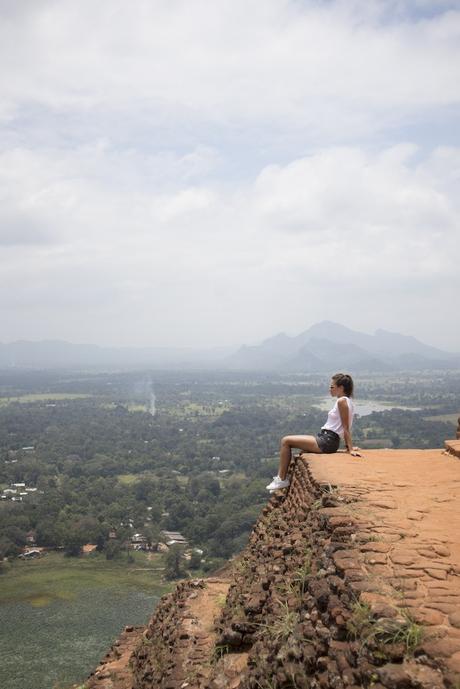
(345,418)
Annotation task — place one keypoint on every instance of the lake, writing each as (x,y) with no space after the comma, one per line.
(363,407)
(59,644)
(59,615)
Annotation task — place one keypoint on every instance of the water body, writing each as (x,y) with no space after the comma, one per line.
(363,407)
(60,644)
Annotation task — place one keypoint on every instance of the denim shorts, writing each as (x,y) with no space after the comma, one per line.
(328,441)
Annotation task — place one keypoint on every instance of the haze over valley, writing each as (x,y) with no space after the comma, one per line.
(322,347)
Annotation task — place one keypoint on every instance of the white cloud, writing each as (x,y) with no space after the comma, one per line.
(337,223)
(209,173)
(357,195)
(307,65)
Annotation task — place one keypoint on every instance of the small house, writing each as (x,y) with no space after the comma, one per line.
(30,554)
(173,537)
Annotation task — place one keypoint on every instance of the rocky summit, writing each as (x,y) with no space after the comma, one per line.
(351,578)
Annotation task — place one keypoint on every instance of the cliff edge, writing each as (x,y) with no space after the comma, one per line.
(351,578)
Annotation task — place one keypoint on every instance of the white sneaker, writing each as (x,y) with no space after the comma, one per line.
(278,483)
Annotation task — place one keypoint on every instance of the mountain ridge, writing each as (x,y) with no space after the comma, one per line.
(328,345)
(322,347)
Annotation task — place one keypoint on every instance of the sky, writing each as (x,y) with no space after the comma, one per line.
(195,173)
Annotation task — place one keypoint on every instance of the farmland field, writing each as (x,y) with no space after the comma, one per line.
(43,397)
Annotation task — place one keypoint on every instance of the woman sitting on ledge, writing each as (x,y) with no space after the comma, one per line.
(338,425)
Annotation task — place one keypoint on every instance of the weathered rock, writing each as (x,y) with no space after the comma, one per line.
(453,664)
(376,547)
(454,619)
(230,637)
(373,558)
(436,573)
(441,550)
(290,609)
(415,516)
(441,648)
(428,617)
(320,592)
(409,675)
(402,558)
(384,503)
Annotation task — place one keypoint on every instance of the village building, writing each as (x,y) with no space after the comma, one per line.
(138,538)
(31,554)
(173,537)
(139,542)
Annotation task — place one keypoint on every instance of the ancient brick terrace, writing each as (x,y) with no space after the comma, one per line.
(351,578)
(409,502)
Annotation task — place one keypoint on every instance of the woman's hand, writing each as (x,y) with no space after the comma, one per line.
(355,452)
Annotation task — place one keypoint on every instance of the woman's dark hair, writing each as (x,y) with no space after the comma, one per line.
(346,381)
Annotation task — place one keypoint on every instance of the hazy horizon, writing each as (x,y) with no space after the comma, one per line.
(223,347)
(211,174)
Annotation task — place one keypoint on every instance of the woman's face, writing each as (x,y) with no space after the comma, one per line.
(335,390)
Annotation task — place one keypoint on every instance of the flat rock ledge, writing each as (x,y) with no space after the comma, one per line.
(351,578)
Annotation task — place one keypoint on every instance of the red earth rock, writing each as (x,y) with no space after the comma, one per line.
(360,546)
(426,575)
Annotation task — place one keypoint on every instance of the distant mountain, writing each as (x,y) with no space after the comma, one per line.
(382,343)
(323,347)
(327,345)
(60,354)
(351,356)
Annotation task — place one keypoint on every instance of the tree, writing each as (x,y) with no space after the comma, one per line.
(395,440)
(15,534)
(8,548)
(195,560)
(175,562)
(112,549)
(48,533)
(152,534)
(73,541)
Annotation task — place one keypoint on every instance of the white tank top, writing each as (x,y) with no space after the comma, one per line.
(334,422)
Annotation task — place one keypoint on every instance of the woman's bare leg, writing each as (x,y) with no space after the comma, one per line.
(302,442)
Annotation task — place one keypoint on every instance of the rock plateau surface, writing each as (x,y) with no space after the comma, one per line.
(351,578)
